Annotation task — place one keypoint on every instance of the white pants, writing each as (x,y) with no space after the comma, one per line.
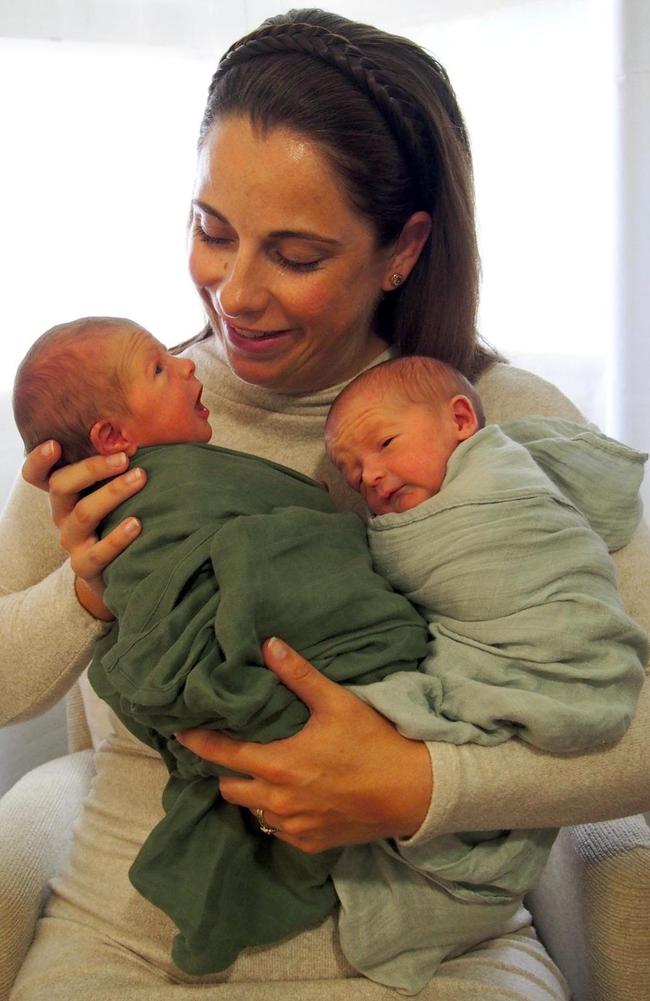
(101,941)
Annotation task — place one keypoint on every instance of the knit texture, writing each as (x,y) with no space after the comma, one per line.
(96,927)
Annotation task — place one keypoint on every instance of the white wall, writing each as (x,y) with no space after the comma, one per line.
(205,26)
(96,175)
(629,399)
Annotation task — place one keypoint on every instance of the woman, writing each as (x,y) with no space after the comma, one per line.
(331,225)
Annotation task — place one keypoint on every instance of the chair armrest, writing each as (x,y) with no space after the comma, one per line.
(36,818)
(79,738)
(591,909)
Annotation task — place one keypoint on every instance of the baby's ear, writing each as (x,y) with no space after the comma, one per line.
(108,437)
(465,417)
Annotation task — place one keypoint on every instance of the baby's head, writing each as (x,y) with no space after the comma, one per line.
(392,430)
(102,385)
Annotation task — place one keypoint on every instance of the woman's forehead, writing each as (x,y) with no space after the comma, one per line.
(271,175)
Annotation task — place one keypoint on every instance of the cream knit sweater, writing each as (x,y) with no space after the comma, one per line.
(47,636)
(99,938)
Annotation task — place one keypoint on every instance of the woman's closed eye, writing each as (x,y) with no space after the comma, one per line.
(299,266)
(286,263)
(212,241)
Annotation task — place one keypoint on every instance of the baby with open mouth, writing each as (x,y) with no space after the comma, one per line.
(104,385)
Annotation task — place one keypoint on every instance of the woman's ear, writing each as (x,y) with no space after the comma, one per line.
(108,437)
(464,417)
(407,249)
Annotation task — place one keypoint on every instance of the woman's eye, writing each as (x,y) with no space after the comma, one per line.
(158,369)
(204,237)
(387,441)
(299,266)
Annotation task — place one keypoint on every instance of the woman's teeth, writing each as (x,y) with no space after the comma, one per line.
(256,335)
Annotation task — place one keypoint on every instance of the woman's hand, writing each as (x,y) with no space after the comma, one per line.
(77,519)
(348,777)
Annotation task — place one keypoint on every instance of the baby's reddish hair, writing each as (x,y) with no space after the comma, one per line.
(60,391)
(417,379)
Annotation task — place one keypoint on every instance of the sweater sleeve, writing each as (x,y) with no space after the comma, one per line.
(47,637)
(514,785)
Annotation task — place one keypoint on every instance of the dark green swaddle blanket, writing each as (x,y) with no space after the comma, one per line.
(234,549)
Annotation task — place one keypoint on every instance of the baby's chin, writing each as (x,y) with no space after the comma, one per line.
(202,437)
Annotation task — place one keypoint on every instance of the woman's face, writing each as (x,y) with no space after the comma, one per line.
(289,271)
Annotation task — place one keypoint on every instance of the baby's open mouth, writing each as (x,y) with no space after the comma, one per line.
(199,407)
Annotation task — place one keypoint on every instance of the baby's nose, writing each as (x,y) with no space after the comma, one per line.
(186,367)
(371,474)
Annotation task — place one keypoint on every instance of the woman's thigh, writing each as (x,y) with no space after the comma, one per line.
(67,961)
(101,941)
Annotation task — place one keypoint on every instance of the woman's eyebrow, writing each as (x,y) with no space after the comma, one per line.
(303,234)
(277,234)
(210,211)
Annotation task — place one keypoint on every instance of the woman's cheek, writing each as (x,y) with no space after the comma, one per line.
(317,301)
(195,264)
(205,264)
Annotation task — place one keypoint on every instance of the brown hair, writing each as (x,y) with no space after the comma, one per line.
(386,115)
(417,379)
(58,394)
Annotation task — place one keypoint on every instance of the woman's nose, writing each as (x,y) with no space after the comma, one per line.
(242,290)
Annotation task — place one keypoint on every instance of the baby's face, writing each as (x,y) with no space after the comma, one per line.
(163,394)
(392,451)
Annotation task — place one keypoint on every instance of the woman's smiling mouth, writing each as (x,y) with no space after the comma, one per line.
(255,340)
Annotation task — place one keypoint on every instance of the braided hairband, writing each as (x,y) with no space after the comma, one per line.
(398,111)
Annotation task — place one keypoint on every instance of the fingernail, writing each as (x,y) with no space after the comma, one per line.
(47,450)
(133,475)
(117,460)
(131,526)
(277,648)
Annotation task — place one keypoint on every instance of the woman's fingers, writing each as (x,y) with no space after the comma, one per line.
(346,777)
(90,556)
(67,484)
(318,693)
(82,518)
(238,755)
(311,686)
(39,462)
(77,517)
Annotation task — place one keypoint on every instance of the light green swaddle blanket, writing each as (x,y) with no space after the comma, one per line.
(529,639)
